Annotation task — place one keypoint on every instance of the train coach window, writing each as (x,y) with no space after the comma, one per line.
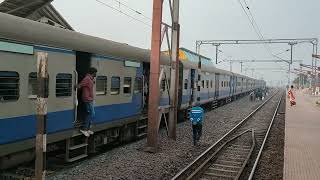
(33,86)
(207,83)
(138,85)
(127,85)
(163,85)
(202,82)
(211,84)
(63,85)
(221,83)
(115,85)
(9,86)
(101,85)
(186,84)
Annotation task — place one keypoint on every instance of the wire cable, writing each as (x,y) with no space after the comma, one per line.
(128,15)
(254,24)
(250,20)
(134,10)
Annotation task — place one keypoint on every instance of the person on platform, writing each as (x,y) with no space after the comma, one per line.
(87,85)
(196,118)
(291,96)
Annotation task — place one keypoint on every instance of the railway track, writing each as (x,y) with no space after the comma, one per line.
(26,172)
(229,157)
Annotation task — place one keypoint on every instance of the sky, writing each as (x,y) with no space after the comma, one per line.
(206,20)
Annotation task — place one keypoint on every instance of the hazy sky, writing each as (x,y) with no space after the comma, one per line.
(206,19)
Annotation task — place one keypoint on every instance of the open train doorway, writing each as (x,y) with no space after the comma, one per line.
(83,63)
(145,97)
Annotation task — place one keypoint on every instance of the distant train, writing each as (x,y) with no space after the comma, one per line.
(121,88)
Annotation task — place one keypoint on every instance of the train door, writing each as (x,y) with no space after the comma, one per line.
(242,83)
(180,86)
(198,82)
(235,85)
(230,86)
(192,89)
(217,85)
(83,63)
(145,79)
(208,85)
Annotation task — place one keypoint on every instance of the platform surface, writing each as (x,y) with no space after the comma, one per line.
(302,139)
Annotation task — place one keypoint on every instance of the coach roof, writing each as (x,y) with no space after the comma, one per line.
(27,31)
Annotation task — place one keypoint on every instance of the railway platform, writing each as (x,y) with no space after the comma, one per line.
(302,133)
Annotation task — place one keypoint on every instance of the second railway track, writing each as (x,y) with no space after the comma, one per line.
(230,156)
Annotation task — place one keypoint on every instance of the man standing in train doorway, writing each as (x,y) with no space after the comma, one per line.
(88,98)
(196,118)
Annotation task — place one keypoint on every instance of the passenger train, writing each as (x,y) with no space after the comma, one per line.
(121,92)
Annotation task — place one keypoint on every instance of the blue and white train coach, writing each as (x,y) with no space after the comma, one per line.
(120,92)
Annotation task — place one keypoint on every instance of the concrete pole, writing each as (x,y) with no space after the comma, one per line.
(291,56)
(217,48)
(41,112)
(154,90)
(315,64)
(312,65)
(289,74)
(174,87)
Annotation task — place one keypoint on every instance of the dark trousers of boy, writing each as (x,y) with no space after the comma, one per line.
(197,132)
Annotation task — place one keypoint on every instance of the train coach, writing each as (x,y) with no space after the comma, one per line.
(121,91)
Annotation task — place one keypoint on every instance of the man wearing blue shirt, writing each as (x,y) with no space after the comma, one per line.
(196,118)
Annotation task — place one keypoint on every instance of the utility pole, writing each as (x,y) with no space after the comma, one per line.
(290,63)
(174,87)
(312,66)
(154,90)
(241,66)
(217,48)
(41,112)
(316,67)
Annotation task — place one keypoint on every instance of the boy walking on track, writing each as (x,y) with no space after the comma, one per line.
(196,118)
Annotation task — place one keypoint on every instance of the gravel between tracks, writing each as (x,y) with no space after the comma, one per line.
(131,162)
(261,121)
(271,164)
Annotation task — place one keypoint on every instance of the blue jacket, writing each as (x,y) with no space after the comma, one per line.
(196,115)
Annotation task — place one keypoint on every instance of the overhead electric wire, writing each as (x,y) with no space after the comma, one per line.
(134,10)
(128,15)
(255,25)
(250,20)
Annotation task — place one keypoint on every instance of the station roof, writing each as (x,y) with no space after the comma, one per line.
(37,10)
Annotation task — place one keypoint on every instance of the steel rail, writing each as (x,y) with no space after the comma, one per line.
(265,139)
(249,155)
(208,159)
(183,171)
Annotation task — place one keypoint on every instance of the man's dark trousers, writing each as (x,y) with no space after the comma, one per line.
(197,132)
